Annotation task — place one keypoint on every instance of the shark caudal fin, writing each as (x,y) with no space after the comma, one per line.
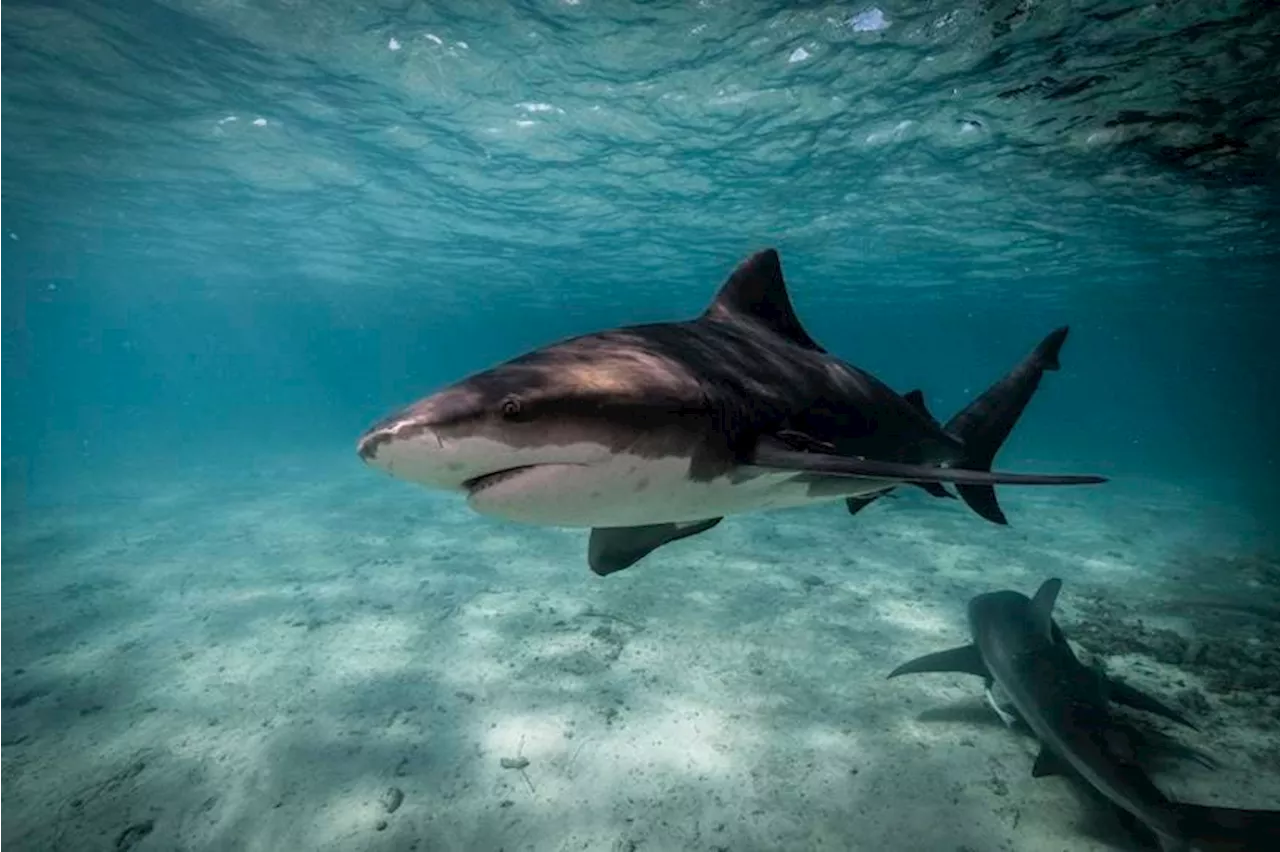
(984,424)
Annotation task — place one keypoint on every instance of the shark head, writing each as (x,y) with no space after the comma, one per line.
(557,436)
(607,429)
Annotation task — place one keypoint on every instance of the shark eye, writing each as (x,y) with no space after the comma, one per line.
(511,408)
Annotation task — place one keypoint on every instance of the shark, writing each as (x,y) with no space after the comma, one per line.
(997,622)
(649,434)
(1021,653)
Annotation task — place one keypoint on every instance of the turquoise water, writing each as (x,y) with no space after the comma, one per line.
(235,235)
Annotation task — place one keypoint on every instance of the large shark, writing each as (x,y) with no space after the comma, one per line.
(652,433)
(1020,651)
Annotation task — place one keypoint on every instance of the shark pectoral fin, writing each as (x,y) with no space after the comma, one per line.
(1048,763)
(778,455)
(965,659)
(612,549)
(1122,693)
(1042,607)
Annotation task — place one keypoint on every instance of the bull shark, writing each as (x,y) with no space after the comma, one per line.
(652,433)
(1020,651)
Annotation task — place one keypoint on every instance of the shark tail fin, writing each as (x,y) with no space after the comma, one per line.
(1230,828)
(984,424)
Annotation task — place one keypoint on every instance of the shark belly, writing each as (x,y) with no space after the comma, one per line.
(627,490)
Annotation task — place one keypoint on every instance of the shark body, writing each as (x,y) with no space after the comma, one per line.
(651,433)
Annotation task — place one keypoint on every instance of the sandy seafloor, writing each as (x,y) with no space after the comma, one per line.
(256,664)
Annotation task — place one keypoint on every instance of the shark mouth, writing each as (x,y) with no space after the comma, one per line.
(476,484)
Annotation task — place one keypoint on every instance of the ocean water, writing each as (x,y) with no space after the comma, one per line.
(235,235)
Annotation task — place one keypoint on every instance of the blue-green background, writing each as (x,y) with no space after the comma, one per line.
(187,295)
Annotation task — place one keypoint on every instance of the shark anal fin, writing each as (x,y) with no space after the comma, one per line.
(1048,763)
(857,504)
(935,489)
(966,660)
(612,549)
(1122,693)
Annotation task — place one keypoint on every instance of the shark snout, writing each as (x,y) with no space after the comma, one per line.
(418,425)
(412,450)
(409,424)
(367,446)
(395,434)
(443,442)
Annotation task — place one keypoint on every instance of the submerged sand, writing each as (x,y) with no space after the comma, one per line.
(337,661)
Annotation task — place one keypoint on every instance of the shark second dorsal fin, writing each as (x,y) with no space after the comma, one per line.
(916,399)
(1042,606)
(756,289)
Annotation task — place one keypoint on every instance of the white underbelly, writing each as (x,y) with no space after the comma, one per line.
(634,491)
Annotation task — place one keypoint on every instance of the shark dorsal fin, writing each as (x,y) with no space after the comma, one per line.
(757,290)
(1042,606)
